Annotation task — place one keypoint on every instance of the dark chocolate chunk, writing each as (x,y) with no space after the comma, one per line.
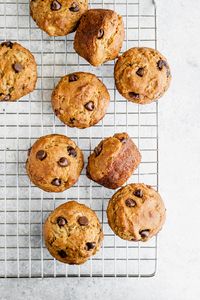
(73,77)
(62,253)
(89,106)
(130,202)
(98,150)
(140,72)
(161,63)
(8,44)
(41,154)
(74,7)
(56,182)
(138,193)
(134,95)
(55,5)
(61,221)
(100,34)
(17,67)
(71,151)
(90,245)
(83,221)
(144,233)
(63,162)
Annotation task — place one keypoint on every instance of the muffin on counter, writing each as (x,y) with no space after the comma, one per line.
(113,161)
(57,17)
(18,71)
(72,233)
(54,163)
(142,75)
(136,212)
(80,100)
(99,36)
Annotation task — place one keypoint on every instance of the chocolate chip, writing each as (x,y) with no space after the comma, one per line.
(73,77)
(134,95)
(161,63)
(29,151)
(89,106)
(63,162)
(140,72)
(62,253)
(83,221)
(61,221)
(8,44)
(71,120)
(98,150)
(138,193)
(123,140)
(74,7)
(90,245)
(41,154)
(130,202)
(6,98)
(100,34)
(71,151)
(56,111)
(17,67)
(55,5)
(144,233)
(56,182)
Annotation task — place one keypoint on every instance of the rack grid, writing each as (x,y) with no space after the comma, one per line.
(24,207)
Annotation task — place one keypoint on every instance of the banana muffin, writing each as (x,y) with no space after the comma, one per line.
(136,212)
(18,71)
(113,161)
(72,233)
(54,163)
(142,75)
(99,36)
(57,17)
(80,100)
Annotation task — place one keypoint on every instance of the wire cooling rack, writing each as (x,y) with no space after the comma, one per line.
(23,207)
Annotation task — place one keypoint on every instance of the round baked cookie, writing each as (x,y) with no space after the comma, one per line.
(113,161)
(102,31)
(18,71)
(72,233)
(57,17)
(54,163)
(142,75)
(136,212)
(80,100)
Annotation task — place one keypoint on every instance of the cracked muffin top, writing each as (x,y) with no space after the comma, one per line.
(142,75)
(113,161)
(99,36)
(80,100)
(57,17)
(18,71)
(136,212)
(72,233)
(54,163)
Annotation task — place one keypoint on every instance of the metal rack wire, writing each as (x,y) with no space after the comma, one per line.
(23,207)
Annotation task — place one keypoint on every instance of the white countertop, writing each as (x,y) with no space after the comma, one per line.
(178,271)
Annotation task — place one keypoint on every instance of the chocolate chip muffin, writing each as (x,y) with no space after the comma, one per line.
(72,233)
(57,17)
(18,71)
(142,75)
(102,31)
(54,163)
(113,161)
(80,100)
(136,212)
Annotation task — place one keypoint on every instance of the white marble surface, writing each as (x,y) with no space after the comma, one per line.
(179,246)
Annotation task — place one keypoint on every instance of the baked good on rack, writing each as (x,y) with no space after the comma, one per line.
(18,71)
(54,163)
(136,212)
(72,233)
(57,17)
(80,100)
(142,75)
(99,36)
(113,161)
